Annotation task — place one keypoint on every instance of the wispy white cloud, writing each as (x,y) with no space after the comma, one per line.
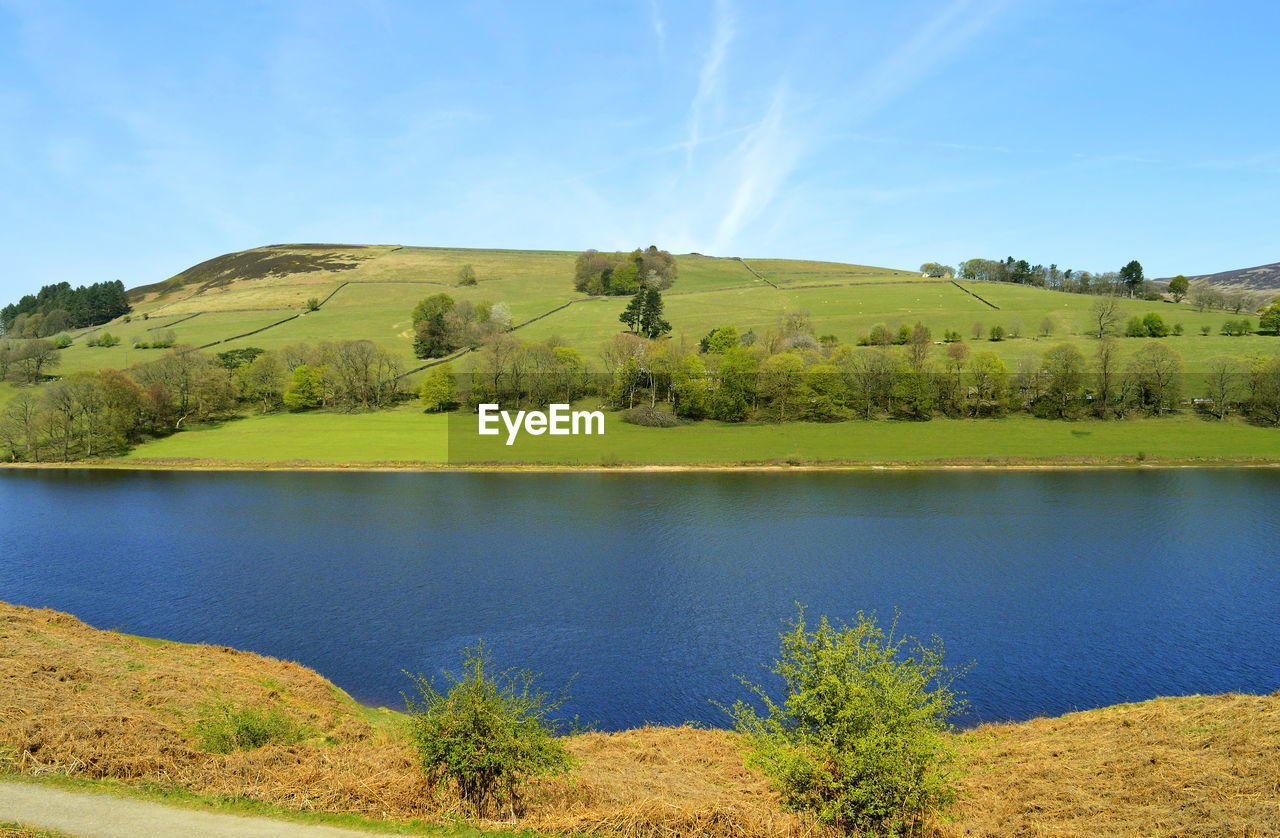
(760,167)
(936,41)
(659,27)
(711,78)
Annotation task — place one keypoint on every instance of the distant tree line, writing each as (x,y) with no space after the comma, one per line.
(102,413)
(1129,281)
(623,274)
(56,308)
(787,374)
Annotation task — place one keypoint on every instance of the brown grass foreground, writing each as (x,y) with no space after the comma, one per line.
(99,704)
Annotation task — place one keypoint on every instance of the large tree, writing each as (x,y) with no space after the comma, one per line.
(1131,275)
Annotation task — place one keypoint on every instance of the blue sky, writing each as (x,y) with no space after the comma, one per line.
(140,138)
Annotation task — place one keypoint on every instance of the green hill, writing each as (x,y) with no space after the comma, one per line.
(258,298)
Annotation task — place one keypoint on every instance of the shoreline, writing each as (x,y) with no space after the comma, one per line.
(1006,464)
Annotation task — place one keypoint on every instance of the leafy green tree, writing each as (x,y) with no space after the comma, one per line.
(1153,324)
(625,279)
(690,387)
(989,382)
(1062,368)
(1269,319)
(861,738)
(438,388)
(627,380)
(1178,287)
(781,378)
(307,389)
(719,341)
(651,323)
(467,276)
(1131,276)
(486,733)
(736,389)
(262,379)
(633,313)
(997,333)
(433,337)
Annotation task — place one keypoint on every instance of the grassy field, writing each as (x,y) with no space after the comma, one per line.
(406,436)
(402,435)
(97,709)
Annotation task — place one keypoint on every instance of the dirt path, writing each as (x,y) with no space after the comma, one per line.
(104,816)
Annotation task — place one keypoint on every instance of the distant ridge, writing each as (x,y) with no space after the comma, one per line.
(1261,278)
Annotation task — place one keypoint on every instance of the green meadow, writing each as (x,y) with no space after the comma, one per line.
(408,437)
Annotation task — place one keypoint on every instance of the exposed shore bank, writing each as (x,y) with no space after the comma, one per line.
(98,705)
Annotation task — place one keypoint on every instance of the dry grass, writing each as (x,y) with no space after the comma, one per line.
(99,704)
(1195,766)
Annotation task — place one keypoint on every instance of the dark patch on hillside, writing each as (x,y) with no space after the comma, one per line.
(275,260)
(1261,278)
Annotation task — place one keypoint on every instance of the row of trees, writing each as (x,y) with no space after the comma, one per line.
(620,274)
(56,308)
(736,383)
(91,414)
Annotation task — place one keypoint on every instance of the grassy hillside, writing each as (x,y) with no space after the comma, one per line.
(370,290)
(96,704)
(1261,279)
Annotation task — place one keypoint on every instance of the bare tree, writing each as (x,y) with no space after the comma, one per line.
(1222,384)
(1104,313)
(1106,365)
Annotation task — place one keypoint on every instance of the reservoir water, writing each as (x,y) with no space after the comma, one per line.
(1065,590)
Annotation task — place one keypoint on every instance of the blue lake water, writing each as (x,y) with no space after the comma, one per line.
(1065,590)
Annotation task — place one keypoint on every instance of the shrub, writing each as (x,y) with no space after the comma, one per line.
(649,417)
(62,341)
(1206,329)
(486,734)
(313,303)
(107,339)
(860,740)
(223,729)
(997,333)
(1153,324)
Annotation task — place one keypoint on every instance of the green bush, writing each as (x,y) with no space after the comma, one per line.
(223,729)
(313,303)
(488,733)
(860,740)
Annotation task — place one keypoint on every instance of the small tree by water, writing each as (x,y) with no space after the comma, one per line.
(860,741)
(486,733)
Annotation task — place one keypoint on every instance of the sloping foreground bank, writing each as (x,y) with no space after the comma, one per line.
(99,704)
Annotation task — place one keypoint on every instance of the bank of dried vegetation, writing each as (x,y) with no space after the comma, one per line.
(99,704)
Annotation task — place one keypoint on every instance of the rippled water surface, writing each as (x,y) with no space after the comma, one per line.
(1064,589)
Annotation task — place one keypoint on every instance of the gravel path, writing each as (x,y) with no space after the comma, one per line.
(104,816)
